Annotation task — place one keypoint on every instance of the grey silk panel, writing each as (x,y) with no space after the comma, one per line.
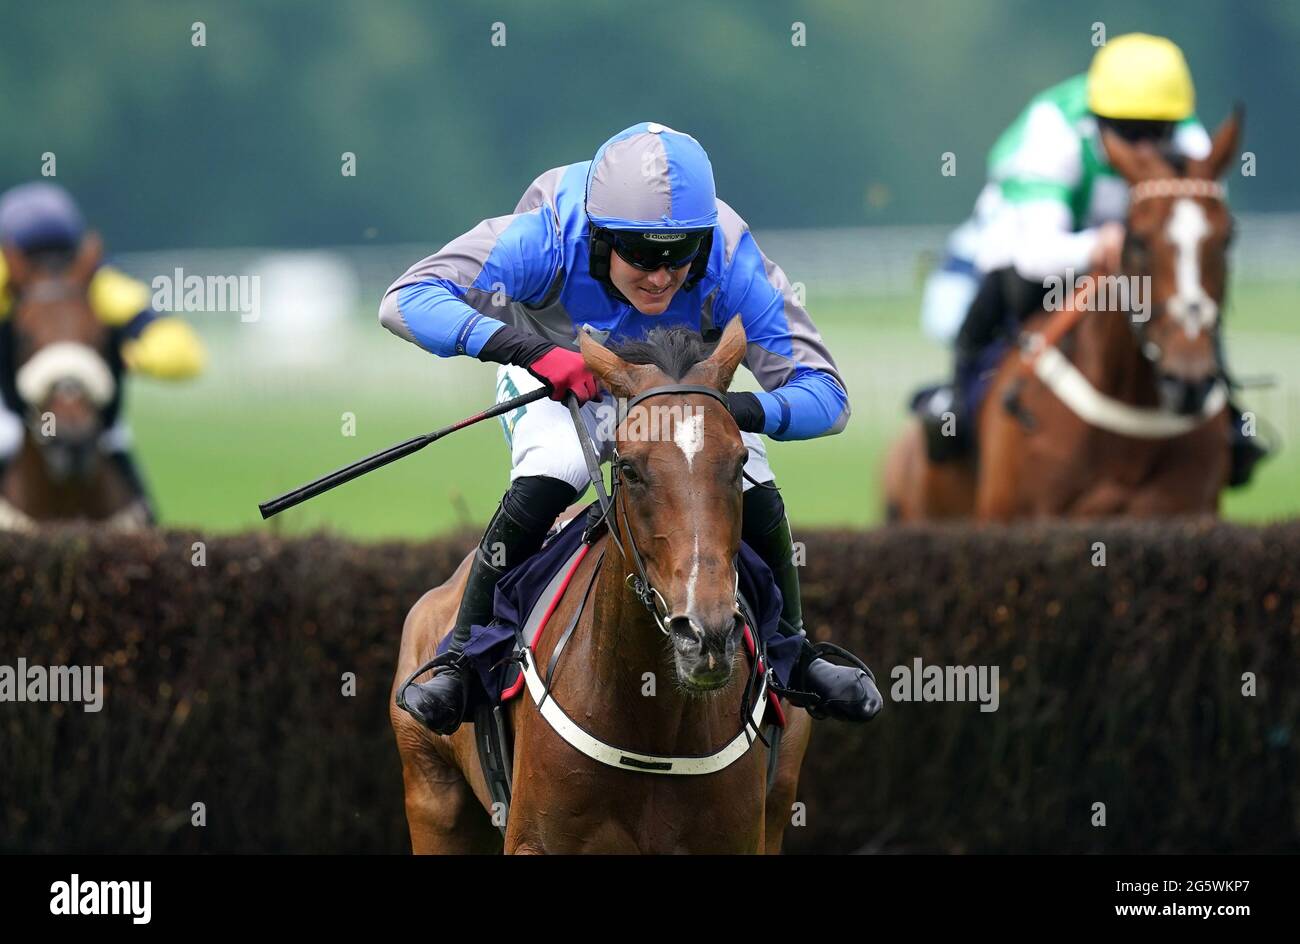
(631,181)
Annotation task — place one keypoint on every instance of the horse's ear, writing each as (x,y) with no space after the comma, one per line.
(721,365)
(1131,160)
(89,254)
(1223,146)
(619,377)
(17,266)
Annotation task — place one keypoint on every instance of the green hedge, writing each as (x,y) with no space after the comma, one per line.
(1119,684)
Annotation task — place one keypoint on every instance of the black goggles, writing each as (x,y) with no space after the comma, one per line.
(1134,130)
(649,251)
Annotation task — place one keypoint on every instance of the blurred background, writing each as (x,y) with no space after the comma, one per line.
(225,159)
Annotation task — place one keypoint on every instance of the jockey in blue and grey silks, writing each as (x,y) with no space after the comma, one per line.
(538,259)
(515,290)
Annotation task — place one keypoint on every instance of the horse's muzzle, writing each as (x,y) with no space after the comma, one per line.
(704,656)
(1180,395)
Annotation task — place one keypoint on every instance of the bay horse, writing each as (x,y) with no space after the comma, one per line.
(677,508)
(1106,412)
(63,379)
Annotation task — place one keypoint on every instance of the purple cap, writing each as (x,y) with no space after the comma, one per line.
(40,215)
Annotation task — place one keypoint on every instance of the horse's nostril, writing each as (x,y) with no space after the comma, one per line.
(721,636)
(684,628)
(1184,396)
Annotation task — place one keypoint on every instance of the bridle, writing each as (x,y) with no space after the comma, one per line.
(1176,187)
(50,290)
(611,505)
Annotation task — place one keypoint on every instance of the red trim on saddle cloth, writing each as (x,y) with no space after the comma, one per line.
(518,685)
(774,702)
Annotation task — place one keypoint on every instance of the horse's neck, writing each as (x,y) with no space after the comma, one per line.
(1105,350)
(621,643)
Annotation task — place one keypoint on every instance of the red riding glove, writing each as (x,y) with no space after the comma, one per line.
(561,370)
(565,372)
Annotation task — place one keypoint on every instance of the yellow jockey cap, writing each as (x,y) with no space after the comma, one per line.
(1140,77)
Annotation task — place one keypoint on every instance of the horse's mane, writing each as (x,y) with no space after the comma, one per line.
(673,350)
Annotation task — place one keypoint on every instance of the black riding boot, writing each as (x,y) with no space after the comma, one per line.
(845,692)
(945,417)
(1004,300)
(1246,449)
(515,533)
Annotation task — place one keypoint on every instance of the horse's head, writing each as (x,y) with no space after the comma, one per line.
(678,477)
(62,375)
(1177,235)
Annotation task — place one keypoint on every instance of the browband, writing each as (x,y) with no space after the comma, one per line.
(670,389)
(1176,187)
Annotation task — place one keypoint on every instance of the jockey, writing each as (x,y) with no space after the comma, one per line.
(1053,203)
(41,221)
(633,239)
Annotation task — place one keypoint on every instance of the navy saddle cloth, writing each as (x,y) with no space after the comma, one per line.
(520,590)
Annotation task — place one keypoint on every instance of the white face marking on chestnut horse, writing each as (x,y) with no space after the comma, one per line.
(695,576)
(1190,304)
(689,436)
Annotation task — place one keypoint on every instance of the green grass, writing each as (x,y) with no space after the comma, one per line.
(255,426)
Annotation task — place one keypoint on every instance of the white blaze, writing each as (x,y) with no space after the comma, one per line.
(1190,304)
(695,576)
(689,436)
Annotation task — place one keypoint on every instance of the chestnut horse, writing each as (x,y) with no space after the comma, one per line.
(1106,412)
(60,351)
(680,507)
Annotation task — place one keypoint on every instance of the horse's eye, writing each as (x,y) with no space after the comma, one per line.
(630,474)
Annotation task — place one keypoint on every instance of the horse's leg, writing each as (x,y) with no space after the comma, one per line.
(1188,480)
(443,813)
(1002,453)
(785,786)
